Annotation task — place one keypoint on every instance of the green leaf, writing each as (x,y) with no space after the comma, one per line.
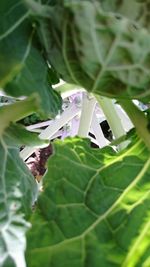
(14,31)
(18,189)
(18,192)
(23,69)
(138,13)
(33,77)
(52,76)
(94,210)
(18,135)
(105,53)
(18,110)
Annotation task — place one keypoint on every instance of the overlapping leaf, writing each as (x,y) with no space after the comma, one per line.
(22,67)
(105,53)
(94,210)
(18,189)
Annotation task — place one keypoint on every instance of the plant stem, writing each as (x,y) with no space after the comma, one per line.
(67,89)
(139,120)
(88,106)
(101,140)
(112,117)
(53,128)
(17,111)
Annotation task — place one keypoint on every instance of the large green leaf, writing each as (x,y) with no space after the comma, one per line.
(23,69)
(105,53)
(94,210)
(18,189)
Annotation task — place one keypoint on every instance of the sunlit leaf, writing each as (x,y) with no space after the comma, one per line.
(94,210)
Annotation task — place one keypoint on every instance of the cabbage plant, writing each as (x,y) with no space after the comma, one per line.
(94,208)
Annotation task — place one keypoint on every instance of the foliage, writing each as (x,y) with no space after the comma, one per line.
(94,208)
(18,189)
(88,214)
(105,53)
(23,69)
